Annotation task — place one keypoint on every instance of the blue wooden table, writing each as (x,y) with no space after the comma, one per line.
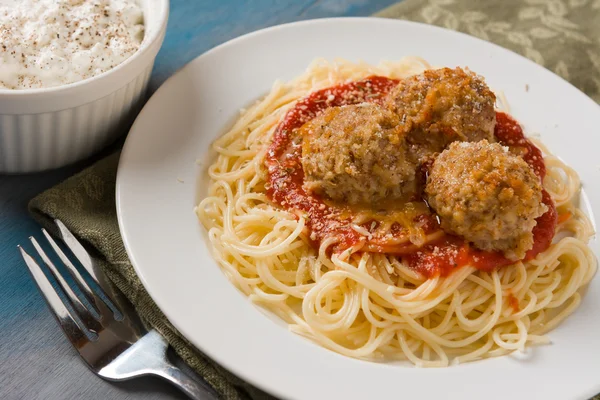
(36,361)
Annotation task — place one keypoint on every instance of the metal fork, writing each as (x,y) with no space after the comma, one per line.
(107,332)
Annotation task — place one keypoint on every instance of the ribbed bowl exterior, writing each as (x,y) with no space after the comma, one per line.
(37,142)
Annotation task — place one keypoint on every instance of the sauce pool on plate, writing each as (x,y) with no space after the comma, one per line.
(439,257)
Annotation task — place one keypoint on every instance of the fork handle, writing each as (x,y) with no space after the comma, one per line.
(185,383)
(149,354)
(164,368)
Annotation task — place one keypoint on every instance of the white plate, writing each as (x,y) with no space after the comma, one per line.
(167,245)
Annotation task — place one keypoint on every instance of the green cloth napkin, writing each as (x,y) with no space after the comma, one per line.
(561,35)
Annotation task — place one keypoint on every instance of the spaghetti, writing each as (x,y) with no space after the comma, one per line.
(370,303)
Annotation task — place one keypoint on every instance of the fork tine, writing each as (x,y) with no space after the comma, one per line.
(77,249)
(72,270)
(85,315)
(68,324)
(84,258)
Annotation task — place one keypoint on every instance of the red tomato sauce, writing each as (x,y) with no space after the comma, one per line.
(513,302)
(284,159)
(451,252)
(285,179)
(509,133)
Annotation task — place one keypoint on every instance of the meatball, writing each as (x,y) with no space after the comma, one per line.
(356,154)
(444,105)
(486,194)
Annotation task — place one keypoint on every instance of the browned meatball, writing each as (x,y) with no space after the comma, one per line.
(440,106)
(486,194)
(356,154)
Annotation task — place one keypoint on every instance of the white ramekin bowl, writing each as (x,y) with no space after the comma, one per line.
(48,128)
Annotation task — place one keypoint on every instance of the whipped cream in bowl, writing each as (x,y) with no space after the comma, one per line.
(73,75)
